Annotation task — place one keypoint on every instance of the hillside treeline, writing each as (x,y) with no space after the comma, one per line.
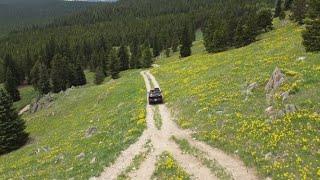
(90,39)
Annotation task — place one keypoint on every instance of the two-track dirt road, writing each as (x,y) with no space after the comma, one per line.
(161,141)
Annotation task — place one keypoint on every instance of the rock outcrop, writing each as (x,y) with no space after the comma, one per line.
(275,81)
(41,103)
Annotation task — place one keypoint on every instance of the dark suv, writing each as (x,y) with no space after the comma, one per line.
(155,96)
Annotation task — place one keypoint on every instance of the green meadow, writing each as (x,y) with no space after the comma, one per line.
(59,147)
(207,92)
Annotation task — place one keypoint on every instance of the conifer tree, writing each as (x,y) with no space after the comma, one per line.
(175,43)
(79,76)
(59,77)
(49,51)
(114,64)
(11,85)
(186,42)
(156,47)
(264,19)
(282,15)
(311,35)
(34,74)
(287,4)
(299,9)
(168,52)
(147,57)
(43,84)
(9,63)
(12,127)
(135,54)
(27,66)
(99,76)
(124,58)
(278,8)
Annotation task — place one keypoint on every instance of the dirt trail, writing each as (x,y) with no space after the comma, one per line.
(161,141)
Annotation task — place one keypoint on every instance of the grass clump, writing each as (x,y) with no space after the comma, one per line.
(168,169)
(137,161)
(214,166)
(157,118)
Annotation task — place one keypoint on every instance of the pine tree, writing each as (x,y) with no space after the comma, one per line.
(49,51)
(156,47)
(299,9)
(11,85)
(282,15)
(264,19)
(314,9)
(27,66)
(168,52)
(185,49)
(278,8)
(43,84)
(59,77)
(311,35)
(147,57)
(9,63)
(114,64)
(99,76)
(135,54)
(79,76)
(12,127)
(34,74)
(287,4)
(175,43)
(124,58)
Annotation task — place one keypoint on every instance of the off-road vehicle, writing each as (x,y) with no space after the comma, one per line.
(155,96)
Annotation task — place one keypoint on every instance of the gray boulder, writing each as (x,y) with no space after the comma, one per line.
(41,103)
(275,81)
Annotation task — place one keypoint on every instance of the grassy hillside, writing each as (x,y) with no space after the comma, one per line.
(207,93)
(58,134)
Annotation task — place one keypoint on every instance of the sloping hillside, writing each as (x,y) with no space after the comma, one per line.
(208,93)
(83,130)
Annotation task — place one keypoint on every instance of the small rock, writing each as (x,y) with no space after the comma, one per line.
(34,108)
(93,160)
(268,156)
(219,113)
(252,86)
(302,58)
(46,149)
(70,169)
(269,99)
(269,111)
(281,113)
(81,156)
(91,131)
(290,108)
(59,158)
(285,96)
